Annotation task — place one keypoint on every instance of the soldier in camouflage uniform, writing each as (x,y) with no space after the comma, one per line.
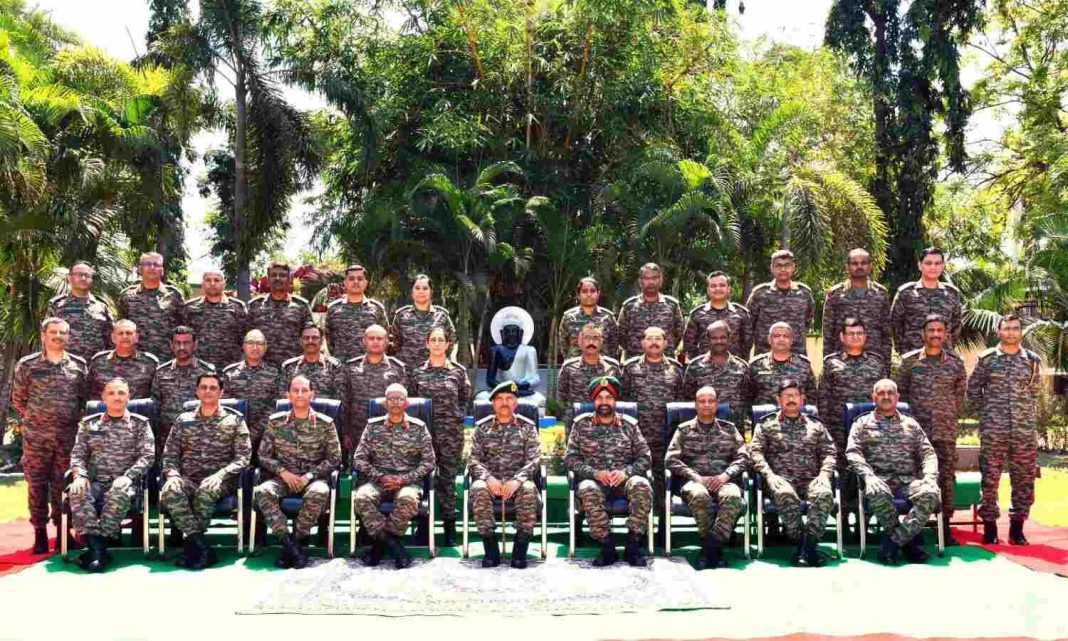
(576,373)
(610,458)
(202,462)
(767,370)
(326,373)
(154,306)
(48,392)
(256,381)
(505,455)
(859,297)
(175,381)
(445,383)
(892,457)
(587,311)
(112,452)
(280,316)
(367,377)
(412,324)
(394,455)
(719,308)
(299,452)
(1004,389)
(220,321)
(348,316)
(649,309)
(796,456)
(722,370)
(709,456)
(781,300)
(917,300)
(136,367)
(88,316)
(848,377)
(932,380)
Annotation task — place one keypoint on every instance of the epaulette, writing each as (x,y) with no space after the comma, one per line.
(336,301)
(803,286)
(231,366)
(673,361)
(757,357)
(608,359)
(92,417)
(950,285)
(203,363)
(570,360)
(803,357)
(164,364)
(878,286)
(571,309)
(916,352)
(484,419)
(102,353)
(57,298)
(150,355)
(186,418)
(230,410)
(632,359)
(354,359)
(864,415)
(438,308)
(299,299)
(524,419)
(671,299)
(582,416)
(417,421)
(377,419)
(285,363)
(986,353)
(696,309)
(830,356)
(257,299)
(130,288)
(739,306)
(196,299)
(403,309)
(908,285)
(140,417)
(628,301)
(396,361)
(627,418)
(838,287)
(278,415)
(761,286)
(76,358)
(319,416)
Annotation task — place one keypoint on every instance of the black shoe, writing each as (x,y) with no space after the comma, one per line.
(289,552)
(40,540)
(83,560)
(711,553)
(519,550)
(889,552)
(608,554)
(300,553)
(97,553)
(990,532)
(448,537)
(422,532)
(1016,535)
(658,537)
(493,551)
(175,540)
(797,560)
(813,558)
(914,552)
(189,554)
(374,553)
(199,551)
(634,552)
(401,557)
(948,533)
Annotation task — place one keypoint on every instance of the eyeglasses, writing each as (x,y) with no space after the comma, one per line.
(255,342)
(396,399)
(855,334)
(151,264)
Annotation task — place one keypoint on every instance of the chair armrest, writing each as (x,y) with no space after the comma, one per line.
(68,478)
(542,480)
(467,480)
(572,481)
(355,476)
(836,481)
(428,481)
(335,477)
(747,481)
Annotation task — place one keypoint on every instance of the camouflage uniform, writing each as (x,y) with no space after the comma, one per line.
(847,379)
(260,386)
(198,447)
(914,303)
(155,312)
(90,323)
(404,449)
(449,390)
(345,323)
(137,371)
(769,305)
(594,446)
(172,386)
(105,449)
(698,449)
(1004,388)
(870,304)
(636,315)
(365,381)
(302,446)
(50,398)
(326,375)
(409,331)
(894,450)
(796,456)
(505,451)
(935,388)
(575,319)
(739,340)
(730,380)
(574,379)
(765,374)
(220,328)
(281,322)
(653,385)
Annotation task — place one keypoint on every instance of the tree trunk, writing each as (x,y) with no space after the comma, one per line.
(240,179)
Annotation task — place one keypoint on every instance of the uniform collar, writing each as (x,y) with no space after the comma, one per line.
(659,298)
(109,417)
(448,364)
(709,307)
(115,354)
(311,416)
(941,354)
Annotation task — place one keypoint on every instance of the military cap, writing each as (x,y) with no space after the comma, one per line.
(505,387)
(610,383)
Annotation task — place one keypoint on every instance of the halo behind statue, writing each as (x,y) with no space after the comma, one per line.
(512,316)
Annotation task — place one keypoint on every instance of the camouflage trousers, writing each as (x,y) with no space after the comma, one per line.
(1020,447)
(946,451)
(191,505)
(787,497)
(100,510)
(268,498)
(44,468)
(728,506)
(592,496)
(523,505)
(840,434)
(405,508)
(925,502)
(448,451)
(654,436)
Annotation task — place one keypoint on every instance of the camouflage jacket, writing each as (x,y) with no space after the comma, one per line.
(155,312)
(281,322)
(594,446)
(935,388)
(636,315)
(107,448)
(172,386)
(409,331)
(737,317)
(797,449)
(199,446)
(870,304)
(50,398)
(698,449)
(300,445)
(327,375)
(914,303)
(90,323)
(1004,388)
(504,451)
(769,305)
(260,386)
(848,379)
(220,328)
(403,449)
(136,370)
(449,390)
(572,323)
(765,374)
(345,323)
(892,448)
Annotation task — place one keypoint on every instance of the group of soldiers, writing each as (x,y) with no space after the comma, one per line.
(271,348)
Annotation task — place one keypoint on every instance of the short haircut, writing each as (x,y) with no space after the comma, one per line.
(852,321)
(718,324)
(591,327)
(654,329)
(396,387)
(81,262)
(355,268)
(858,251)
(779,324)
(117,379)
(587,279)
(929,251)
(718,274)
(651,267)
(706,389)
(787,383)
(884,382)
(217,376)
(279,265)
(934,318)
(155,255)
(300,377)
(53,320)
(419,277)
(375,328)
(183,329)
(308,326)
(1008,318)
(784,253)
(125,322)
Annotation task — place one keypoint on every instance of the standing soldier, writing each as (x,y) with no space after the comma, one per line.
(649,309)
(256,381)
(112,452)
(154,306)
(768,370)
(87,315)
(367,377)
(505,453)
(587,312)
(892,457)
(609,456)
(576,373)
(709,455)
(1004,388)
(721,370)
(299,452)
(781,300)
(848,377)
(280,315)
(136,367)
(858,297)
(202,460)
(326,373)
(796,456)
(175,381)
(919,299)
(219,321)
(48,392)
(394,456)
(412,324)
(932,380)
(719,308)
(348,316)
(445,383)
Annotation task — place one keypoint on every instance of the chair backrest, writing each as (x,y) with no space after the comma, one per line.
(760,411)
(630,408)
(482,409)
(855,410)
(678,412)
(238,404)
(144,406)
(418,407)
(329,406)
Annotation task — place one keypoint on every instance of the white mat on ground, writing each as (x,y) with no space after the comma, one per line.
(448,586)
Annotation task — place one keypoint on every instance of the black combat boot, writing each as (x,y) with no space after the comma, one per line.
(448,531)
(300,552)
(199,551)
(211,557)
(401,557)
(950,541)
(889,551)
(493,551)
(189,554)
(40,540)
(799,553)
(913,550)
(1016,535)
(608,554)
(813,558)
(519,550)
(990,532)
(97,552)
(374,553)
(422,531)
(175,539)
(634,552)
(711,553)
(289,552)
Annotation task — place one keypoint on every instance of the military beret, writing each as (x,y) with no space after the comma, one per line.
(610,383)
(505,387)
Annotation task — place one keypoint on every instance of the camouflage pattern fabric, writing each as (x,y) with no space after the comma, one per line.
(155,312)
(769,305)
(505,451)
(90,323)
(345,323)
(220,328)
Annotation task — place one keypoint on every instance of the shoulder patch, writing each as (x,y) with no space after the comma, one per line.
(298,299)
(286,363)
(608,359)
(88,418)
(140,417)
(631,360)
(336,301)
(164,364)
(488,417)
(231,366)
(916,353)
